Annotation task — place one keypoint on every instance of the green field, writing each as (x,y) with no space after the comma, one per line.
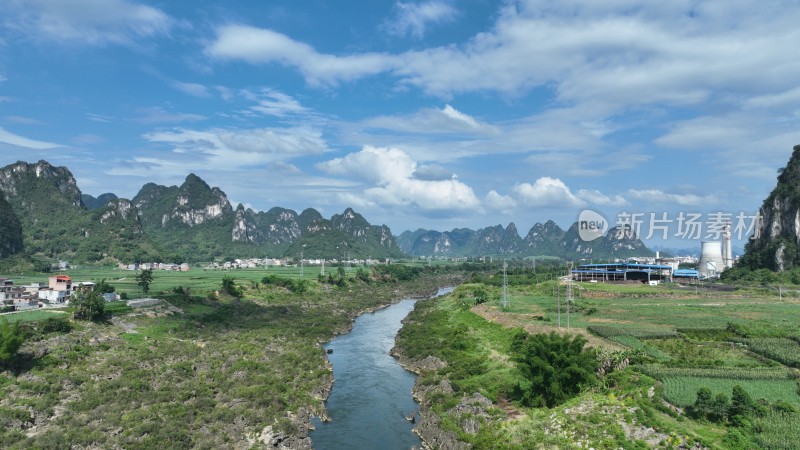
(684,339)
(31,316)
(200,280)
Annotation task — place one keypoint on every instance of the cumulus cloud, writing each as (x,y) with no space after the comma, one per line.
(20,141)
(390,174)
(93,22)
(432,172)
(499,202)
(415,18)
(659,196)
(547,192)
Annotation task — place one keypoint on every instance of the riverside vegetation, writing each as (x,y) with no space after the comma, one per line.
(677,368)
(204,369)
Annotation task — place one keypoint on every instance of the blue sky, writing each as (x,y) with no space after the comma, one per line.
(434,114)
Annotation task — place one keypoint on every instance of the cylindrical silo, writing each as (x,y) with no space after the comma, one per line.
(711,263)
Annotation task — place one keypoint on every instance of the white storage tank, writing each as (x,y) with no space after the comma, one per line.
(711,263)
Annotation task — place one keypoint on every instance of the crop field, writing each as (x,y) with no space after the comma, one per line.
(682,390)
(786,351)
(685,339)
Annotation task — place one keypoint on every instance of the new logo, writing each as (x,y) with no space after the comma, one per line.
(591,225)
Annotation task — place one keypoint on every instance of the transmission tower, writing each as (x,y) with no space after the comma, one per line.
(505,285)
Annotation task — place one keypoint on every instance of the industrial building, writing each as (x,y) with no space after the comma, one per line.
(622,272)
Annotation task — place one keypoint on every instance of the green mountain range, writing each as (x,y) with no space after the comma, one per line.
(191,222)
(546,239)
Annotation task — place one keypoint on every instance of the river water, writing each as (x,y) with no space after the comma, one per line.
(371,395)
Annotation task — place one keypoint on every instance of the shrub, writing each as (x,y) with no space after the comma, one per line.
(10,340)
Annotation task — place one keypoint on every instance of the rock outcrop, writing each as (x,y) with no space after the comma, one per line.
(775,243)
(11,241)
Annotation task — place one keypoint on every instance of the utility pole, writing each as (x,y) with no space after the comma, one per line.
(569,289)
(505,285)
(302,272)
(558,303)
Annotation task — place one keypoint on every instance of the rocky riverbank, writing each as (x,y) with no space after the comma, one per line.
(470,413)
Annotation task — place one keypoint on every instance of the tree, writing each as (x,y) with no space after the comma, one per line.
(741,405)
(719,408)
(103,287)
(89,305)
(143,279)
(703,404)
(555,367)
(10,340)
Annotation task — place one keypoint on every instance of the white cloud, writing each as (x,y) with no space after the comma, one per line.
(447,120)
(261,46)
(390,172)
(233,148)
(659,196)
(93,22)
(625,54)
(414,18)
(19,141)
(595,197)
(547,192)
(499,202)
(275,103)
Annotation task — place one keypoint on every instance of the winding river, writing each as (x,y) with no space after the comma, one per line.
(371,396)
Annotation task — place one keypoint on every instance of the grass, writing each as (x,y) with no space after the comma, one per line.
(32,316)
(200,280)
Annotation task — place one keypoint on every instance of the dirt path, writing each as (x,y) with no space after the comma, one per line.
(529,323)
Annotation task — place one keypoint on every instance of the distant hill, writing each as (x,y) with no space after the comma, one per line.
(95,203)
(190,222)
(774,244)
(546,239)
(55,224)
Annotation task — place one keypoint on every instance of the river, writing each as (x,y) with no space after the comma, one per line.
(371,395)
